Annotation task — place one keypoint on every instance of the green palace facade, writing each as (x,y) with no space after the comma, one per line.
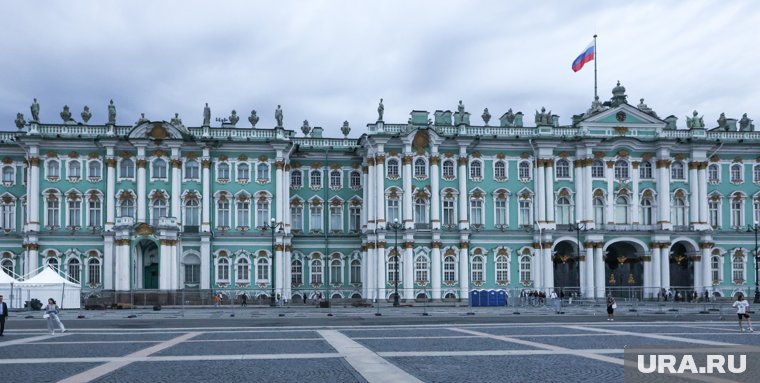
(619,200)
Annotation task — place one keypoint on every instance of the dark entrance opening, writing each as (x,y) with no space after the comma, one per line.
(624,271)
(567,275)
(148,251)
(681,271)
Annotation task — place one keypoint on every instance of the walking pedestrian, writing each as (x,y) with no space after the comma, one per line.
(217,299)
(611,306)
(51,314)
(3,315)
(243,300)
(742,307)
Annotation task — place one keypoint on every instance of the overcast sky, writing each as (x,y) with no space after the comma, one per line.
(330,61)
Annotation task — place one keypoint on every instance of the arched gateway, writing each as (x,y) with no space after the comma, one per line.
(567,278)
(147,262)
(624,269)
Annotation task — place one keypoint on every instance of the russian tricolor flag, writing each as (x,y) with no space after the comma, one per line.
(587,55)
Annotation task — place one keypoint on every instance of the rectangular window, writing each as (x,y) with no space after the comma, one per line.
(95,208)
(736,213)
(94,273)
(9,217)
(262,213)
(223,213)
(714,213)
(315,217)
(296,218)
(525,207)
(394,212)
(500,212)
(192,274)
(476,212)
(316,272)
(243,217)
(356,272)
(355,218)
(336,218)
(53,213)
(448,212)
(296,273)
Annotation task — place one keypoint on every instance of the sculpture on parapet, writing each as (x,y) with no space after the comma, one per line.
(86,115)
(111,113)
(596,106)
(35,111)
(460,107)
(722,122)
(20,121)
(66,114)
(142,119)
(253,118)
(695,122)
(176,121)
(234,118)
(646,109)
(486,116)
(206,115)
(345,129)
(305,128)
(278,116)
(380,110)
(745,124)
(543,118)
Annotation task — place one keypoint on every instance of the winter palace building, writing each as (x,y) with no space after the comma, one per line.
(620,200)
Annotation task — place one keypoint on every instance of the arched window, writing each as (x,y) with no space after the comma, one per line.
(93,169)
(679,211)
(262,270)
(676,171)
(243,172)
(476,170)
(262,172)
(336,179)
(7,266)
(737,175)
(562,169)
(192,171)
(192,208)
(525,272)
(296,179)
(713,173)
(449,269)
(599,211)
(127,168)
(8,175)
(74,270)
(192,270)
(645,170)
(223,172)
(502,269)
(756,174)
(158,209)
(421,269)
(500,171)
(316,179)
(242,270)
(715,269)
(420,211)
(563,211)
(75,170)
(53,169)
(159,169)
(448,169)
(336,272)
(356,271)
(392,170)
(296,273)
(53,262)
(621,170)
(355,180)
(223,269)
(316,272)
(597,169)
(420,168)
(621,210)
(737,269)
(93,272)
(393,267)
(477,269)
(646,211)
(127,208)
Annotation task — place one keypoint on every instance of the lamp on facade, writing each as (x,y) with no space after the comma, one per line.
(755,228)
(396,226)
(274,227)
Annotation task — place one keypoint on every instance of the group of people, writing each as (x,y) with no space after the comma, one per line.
(680,296)
(532,297)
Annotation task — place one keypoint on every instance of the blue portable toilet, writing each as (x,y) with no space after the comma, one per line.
(474,298)
(493,298)
(501,299)
(483,297)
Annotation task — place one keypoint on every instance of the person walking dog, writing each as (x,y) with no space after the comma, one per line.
(51,314)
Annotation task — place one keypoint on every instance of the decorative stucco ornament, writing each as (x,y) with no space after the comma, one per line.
(86,115)
(345,129)
(176,121)
(486,116)
(253,118)
(305,128)
(66,114)
(20,121)
(234,118)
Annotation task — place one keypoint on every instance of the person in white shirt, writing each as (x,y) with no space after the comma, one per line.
(742,306)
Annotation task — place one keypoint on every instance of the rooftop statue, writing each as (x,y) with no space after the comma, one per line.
(66,114)
(345,129)
(305,128)
(460,107)
(35,111)
(111,113)
(486,116)
(86,115)
(745,124)
(510,117)
(253,118)
(695,122)
(206,115)
(278,116)
(234,118)
(142,119)
(644,108)
(176,121)
(543,118)
(722,123)
(380,110)
(20,121)
(596,106)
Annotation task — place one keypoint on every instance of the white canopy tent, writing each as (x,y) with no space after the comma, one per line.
(8,289)
(48,284)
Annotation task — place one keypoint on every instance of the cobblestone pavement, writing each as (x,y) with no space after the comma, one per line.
(581,350)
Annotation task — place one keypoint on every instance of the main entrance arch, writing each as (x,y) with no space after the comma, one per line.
(682,268)
(147,264)
(624,269)
(566,262)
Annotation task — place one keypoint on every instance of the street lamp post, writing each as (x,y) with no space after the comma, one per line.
(755,228)
(577,228)
(273,226)
(395,226)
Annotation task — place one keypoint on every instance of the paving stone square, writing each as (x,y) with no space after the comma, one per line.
(248,347)
(439,344)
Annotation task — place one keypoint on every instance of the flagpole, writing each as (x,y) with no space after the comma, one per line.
(595,60)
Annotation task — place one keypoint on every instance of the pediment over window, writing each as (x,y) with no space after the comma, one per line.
(623,116)
(158,130)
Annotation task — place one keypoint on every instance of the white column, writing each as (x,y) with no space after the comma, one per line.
(279,273)
(656,269)
(380,259)
(286,214)
(164,265)
(610,213)
(549,191)
(697,269)
(464,223)
(537,266)
(600,281)
(435,199)
(408,268)
(110,202)
(635,197)
(365,271)
(580,192)
(33,195)
(371,191)
(702,201)
(706,269)
(583,282)
(665,266)
(288,272)
(464,269)
(435,267)
(108,261)
(122,269)
(371,265)
(663,194)
(141,194)
(693,196)
(380,188)
(548,267)
(407,183)
(590,277)
(206,182)
(365,199)
(588,197)
(175,253)
(541,192)
(279,186)
(205,262)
